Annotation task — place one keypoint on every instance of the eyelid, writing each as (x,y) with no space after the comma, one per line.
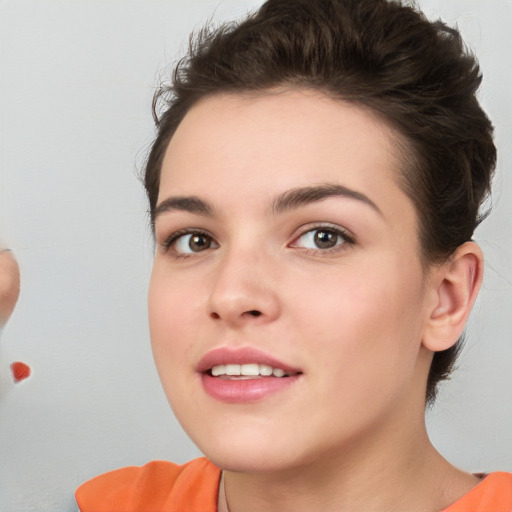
(348,237)
(169,241)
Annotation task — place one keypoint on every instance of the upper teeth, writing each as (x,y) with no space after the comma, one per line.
(251,369)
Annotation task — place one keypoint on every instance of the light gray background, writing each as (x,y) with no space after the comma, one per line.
(76,79)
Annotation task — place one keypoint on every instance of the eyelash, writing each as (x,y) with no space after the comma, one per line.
(170,241)
(346,236)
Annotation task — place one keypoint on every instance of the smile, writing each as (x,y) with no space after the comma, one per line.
(247,370)
(244,375)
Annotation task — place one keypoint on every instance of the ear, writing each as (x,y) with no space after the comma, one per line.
(455,286)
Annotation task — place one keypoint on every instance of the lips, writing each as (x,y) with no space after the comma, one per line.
(241,356)
(241,375)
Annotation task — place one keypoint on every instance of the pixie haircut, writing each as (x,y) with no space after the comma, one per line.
(382,55)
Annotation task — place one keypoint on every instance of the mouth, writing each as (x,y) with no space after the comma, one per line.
(244,375)
(248,371)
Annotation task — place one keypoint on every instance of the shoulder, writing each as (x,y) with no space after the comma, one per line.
(159,485)
(492,494)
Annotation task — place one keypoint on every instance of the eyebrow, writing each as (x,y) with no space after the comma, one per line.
(289,200)
(303,196)
(189,204)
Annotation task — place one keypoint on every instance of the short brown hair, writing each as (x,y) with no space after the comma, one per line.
(381,54)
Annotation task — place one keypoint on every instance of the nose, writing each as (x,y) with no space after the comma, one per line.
(244,290)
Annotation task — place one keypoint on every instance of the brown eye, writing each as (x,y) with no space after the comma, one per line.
(189,243)
(199,243)
(324,239)
(321,239)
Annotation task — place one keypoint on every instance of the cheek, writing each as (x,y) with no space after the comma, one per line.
(169,301)
(159,300)
(365,323)
(168,328)
(164,310)
(175,307)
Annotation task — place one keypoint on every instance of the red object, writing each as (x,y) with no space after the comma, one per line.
(20,371)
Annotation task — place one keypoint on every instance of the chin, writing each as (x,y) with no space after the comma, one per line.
(239,449)
(253,450)
(249,461)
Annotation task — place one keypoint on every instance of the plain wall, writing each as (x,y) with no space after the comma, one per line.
(76,84)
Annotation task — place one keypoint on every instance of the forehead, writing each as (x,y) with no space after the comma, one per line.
(278,140)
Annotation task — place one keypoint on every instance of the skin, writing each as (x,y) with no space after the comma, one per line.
(9,285)
(360,319)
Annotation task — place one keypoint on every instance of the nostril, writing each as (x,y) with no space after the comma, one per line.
(253,312)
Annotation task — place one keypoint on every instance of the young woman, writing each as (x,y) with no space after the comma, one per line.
(314,188)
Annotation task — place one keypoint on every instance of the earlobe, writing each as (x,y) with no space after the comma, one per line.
(456,285)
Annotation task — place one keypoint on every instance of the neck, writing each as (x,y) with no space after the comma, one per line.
(369,476)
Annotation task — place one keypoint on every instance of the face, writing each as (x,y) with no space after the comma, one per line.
(287,300)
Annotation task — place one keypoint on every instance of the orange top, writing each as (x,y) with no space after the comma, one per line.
(156,487)
(166,487)
(492,494)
